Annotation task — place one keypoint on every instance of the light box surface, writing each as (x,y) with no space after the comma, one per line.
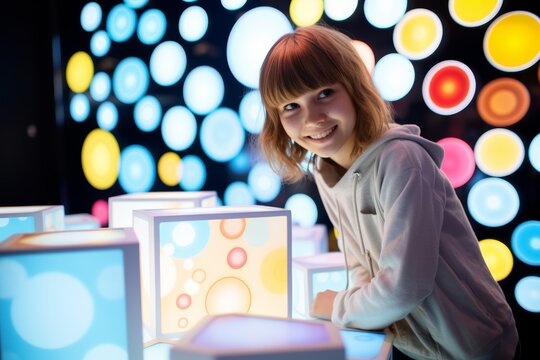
(28,219)
(309,241)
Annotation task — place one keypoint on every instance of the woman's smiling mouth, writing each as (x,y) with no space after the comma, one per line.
(324,134)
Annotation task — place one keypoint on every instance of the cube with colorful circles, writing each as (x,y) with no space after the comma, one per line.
(70,295)
(121,207)
(206,261)
(28,219)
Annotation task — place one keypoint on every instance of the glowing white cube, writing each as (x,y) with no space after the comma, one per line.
(121,207)
(81,222)
(29,219)
(313,274)
(310,240)
(201,261)
(70,295)
(249,337)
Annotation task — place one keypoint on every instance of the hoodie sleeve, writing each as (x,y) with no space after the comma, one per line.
(412,199)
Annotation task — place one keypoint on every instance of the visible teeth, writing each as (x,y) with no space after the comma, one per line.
(322,135)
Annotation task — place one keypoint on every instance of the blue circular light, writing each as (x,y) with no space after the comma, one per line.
(251,112)
(100,43)
(121,23)
(534,152)
(193,23)
(203,90)
(222,136)
(189,238)
(393,76)
(91,16)
(384,14)
(303,210)
(233,4)
(147,113)
(527,293)
(137,169)
(526,242)
(100,88)
(79,107)
(493,202)
(264,182)
(178,128)
(130,80)
(240,164)
(168,63)
(193,173)
(152,26)
(136,4)
(238,193)
(107,116)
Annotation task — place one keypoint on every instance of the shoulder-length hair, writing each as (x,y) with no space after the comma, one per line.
(307,59)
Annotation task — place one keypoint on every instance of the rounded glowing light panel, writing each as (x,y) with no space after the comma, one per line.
(79,72)
(136,4)
(130,80)
(503,102)
(251,112)
(339,10)
(193,173)
(222,136)
(534,152)
(366,54)
(203,90)
(511,41)
(303,210)
(458,162)
(527,293)
(238,193)
(107,116)
(264,182)
(306,12)
(526,242)
(418,34)
(493,202)
(498,258)
(178,128)
(393,76)
(91,16)
(100,43)
(100,87)
(152,26)
(121,23)
(499,152)
(100,209)
(448,87)
(169,168)
(100,157)
(471,13)
(384,13)
(250,39)
(233,4)
(79,107)
(147,113)
(137,169)
(168,63)
(193,23)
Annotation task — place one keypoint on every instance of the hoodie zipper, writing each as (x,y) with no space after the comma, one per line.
(357,176)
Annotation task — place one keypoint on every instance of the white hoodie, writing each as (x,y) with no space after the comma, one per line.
(414,258)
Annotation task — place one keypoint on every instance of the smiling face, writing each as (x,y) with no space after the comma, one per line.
(322,121)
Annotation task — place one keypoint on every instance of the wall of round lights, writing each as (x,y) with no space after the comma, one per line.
(201,127)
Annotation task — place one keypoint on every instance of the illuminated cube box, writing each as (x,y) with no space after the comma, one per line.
(201,261)
(70,295)
(29,219)
(308,241)
(81,222)
(121,207)
(313,274)
(364,345)
(248,337)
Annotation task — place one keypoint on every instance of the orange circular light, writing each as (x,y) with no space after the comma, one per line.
(503,102)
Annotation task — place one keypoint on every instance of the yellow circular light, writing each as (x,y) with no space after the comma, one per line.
(511,42)
(418,34)
(498,258)
(79,72)
(100,158)
(306,12)
(499,152)
(169,168)
(473,13)
(273,271)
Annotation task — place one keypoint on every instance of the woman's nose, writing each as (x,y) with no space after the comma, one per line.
(316,114)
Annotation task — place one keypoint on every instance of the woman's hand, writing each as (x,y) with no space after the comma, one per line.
(322,305)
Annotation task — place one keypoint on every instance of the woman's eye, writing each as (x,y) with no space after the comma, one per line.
(290,107)
(325,93)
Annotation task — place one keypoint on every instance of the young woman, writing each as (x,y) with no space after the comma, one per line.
(415,261)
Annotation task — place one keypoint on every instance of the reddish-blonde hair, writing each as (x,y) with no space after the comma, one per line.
(307,59)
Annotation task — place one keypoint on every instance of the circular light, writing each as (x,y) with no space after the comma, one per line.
(303,210)
(264,182)
(222,136)
(241,163)
(498,258)
(366,54)
(339,10)
(393,76)
(100,209)
(250,39)
(233,4)
(384,13)
(121,23)
(306,12)
(136,4)
(178,128)
(418,34)
(79,107)
(499,152)
(238,193)
(130,80)
(147,113)
(100,87)
(91,16)
(100,43)
(503,102)
(534,152)
(152,26)
(193,23)
(168,63)
(527,293)
(251,112)
(526,242)
(203,90)
(100,157)
(137,169)
(471,13)
(448,87)
(193,173)
(107,116)
(493,202)
(458,162)
(79,72)
(511,41)
(169,168)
